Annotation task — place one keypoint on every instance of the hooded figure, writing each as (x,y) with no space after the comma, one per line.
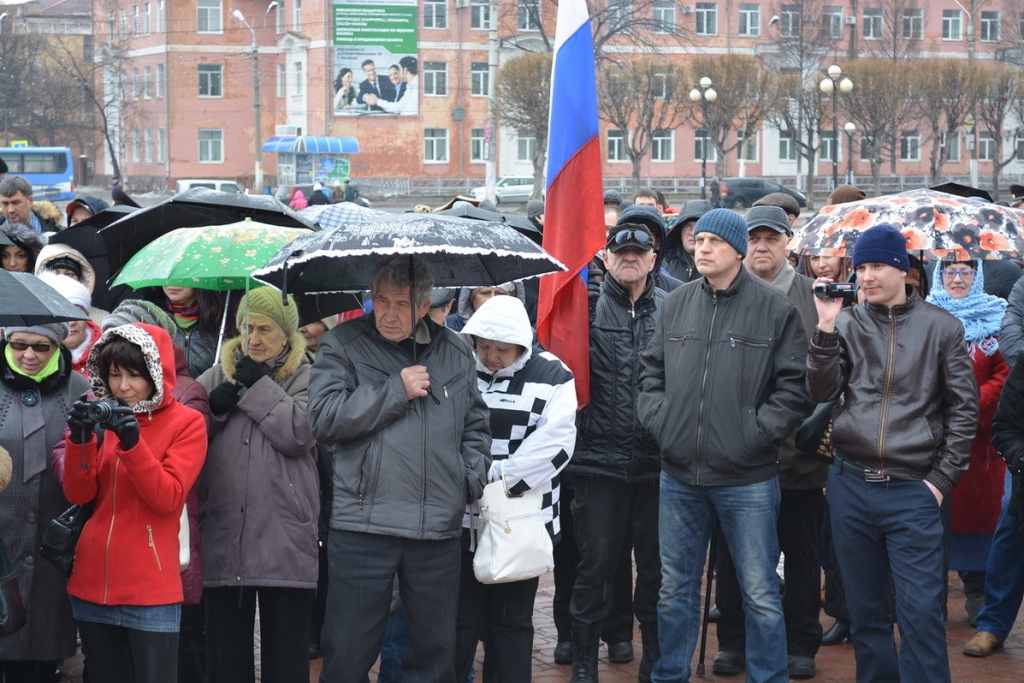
(466,305)
(677,260)
(299,201)
(649,216)
(60,257)
(24,238)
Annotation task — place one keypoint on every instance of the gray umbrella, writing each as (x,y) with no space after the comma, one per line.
(28,301)
(5,241)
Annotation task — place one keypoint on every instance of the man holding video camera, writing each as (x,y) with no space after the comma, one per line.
(902,437)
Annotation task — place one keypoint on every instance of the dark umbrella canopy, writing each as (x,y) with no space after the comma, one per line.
(520,223)
(193,208)
(460,253)
(28,301)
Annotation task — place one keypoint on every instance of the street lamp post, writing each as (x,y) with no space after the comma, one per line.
(703,93)
(257,132)
(834,82)
(850,128)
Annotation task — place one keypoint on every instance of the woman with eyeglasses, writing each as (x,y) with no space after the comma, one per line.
(978,495)
(37,389)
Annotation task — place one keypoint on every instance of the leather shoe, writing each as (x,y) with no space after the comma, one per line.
(620,653)
(563,652)
(728,663)
(982,644)
(839,632)
(801,667)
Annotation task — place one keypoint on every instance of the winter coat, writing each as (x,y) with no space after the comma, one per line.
(259,497)
(128,551)
(611,441)
(1008,436)
(199,348)
(401,468)
(677,261)
(80,356)
(58,250)
(1011,336)
(901,416)
(31,500)
(722,381)
(47,222)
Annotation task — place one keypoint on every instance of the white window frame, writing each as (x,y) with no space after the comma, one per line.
(147,19)
(161,146)
(479,79)
(480,15)
(435,80)
(282,80)
(135,21)
(751,149)
(213,76)
(159,81)
(664,17)
(707,19)
(212,146)
(124,24)
(616,147)
(874,23)
(787,146)
(161,16)
(750,19)
(832,21)
(659,86)
(950,142)
(477,146)
(279,18)
(619,12)
(910,145)
(210,13)
(986,146)
(435,14)
(663,146)
(829,146)
(791,21)
(952,24)
(133,141)
(147,146)
(297,15)
(913,23)
(704,145)
(526,148)
(135,84)
(527,20)
(435,146)
(989,26)
(147,82)
(297,70)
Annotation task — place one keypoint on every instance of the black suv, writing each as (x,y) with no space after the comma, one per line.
(739,193)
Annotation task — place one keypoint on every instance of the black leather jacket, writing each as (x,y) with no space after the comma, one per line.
(911,398)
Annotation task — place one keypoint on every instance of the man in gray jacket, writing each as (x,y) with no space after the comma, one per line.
(722,386)
(409,434)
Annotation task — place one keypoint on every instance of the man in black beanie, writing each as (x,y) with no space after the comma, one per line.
(902,437)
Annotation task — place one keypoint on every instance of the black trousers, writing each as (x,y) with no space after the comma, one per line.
(125,655)
(284,633)
(501,615)
(28,671)
(619,627)
(610,517)
(192,644)
(799,528)
(363,567)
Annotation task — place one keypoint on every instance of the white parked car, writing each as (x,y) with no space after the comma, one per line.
(510,188)
(209,183)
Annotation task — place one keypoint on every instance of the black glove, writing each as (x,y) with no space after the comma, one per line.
(79,422)
(124,424)
(224,398)
(248,372)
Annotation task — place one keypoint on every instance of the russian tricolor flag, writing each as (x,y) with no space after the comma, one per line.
(574,207)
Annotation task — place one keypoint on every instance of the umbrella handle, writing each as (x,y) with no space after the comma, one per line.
(223,323)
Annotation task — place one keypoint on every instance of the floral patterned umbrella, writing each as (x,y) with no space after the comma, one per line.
(942,225)
(217,257)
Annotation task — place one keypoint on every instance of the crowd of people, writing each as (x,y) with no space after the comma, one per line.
(328,476)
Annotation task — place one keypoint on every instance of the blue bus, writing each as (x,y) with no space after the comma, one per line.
(49,169)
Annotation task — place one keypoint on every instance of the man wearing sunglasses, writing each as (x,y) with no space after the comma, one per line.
(722,386)
(615,466)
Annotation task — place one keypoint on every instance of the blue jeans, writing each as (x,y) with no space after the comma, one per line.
(1004,582)
(895,524)
(748,515)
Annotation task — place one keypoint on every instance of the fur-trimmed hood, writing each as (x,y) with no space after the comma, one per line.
(158,350)
(25,237)
(55,251)
(296,356)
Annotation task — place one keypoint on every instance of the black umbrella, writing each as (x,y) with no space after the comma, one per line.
(28,301)
(961,190)
(520,223)
(193,208)
(460,253)
(314,306)
(85,238)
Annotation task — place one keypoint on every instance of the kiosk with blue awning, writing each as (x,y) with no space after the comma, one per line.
(306,159)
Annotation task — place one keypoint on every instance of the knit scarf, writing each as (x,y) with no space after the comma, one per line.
(980,313)
(184,316)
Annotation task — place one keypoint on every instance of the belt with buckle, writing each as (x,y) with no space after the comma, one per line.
(869,475)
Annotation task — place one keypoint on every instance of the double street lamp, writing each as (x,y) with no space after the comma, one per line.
(257,132)
(835,81)
(703,93)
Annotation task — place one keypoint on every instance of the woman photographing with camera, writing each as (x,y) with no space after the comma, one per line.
(125,586)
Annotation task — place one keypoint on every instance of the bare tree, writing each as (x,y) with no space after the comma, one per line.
(999,94)
(641,98)
(947,91)
(800,113)
(19,58)
(901,29)
(523,91)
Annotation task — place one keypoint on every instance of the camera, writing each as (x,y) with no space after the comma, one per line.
(101,412)
(846,291)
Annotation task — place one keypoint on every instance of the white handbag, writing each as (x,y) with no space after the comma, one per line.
(512,542)
(184,551)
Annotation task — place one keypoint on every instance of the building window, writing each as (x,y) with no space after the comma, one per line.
(211,146)
(477,146)
(435,78)
(282,80)
(1019,154)
(135,84)
(526,149)
(707,18)
(791,20)
(659,86)
(702,146)
(527,15)
(161,16)
(147,82)
(435,13)
(480,15)
(663,146)
(134,142)
(435,145)
(951,144)
(867,147)
(208,16)
(147,145)
(211,79)
(832,22)
(146,21)
(161,145)
(746,150)
(910,145)
(135,21)
(750,19)
(297,91)
(619,12)
(872,23)
(664,17)
(480,79)
(159,81)
(990,27)
(616,145)
(828,145)
(787,146)
(297,16)
(124,24)
(111,23)
(951,24)
(913,24)
(280,17)
(986,146)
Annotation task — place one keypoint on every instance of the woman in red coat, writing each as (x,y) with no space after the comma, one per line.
(126,587)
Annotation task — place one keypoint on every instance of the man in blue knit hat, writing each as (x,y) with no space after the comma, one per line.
(902,436)
(722,385)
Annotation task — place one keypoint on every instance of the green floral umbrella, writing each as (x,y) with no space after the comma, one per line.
(217,257)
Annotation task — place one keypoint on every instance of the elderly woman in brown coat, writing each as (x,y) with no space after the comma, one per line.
(259,498)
